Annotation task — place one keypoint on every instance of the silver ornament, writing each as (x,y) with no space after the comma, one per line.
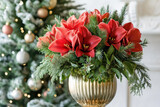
(22,57)
(17,94)
(34,85)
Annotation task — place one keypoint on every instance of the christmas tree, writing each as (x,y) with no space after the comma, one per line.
(21,22)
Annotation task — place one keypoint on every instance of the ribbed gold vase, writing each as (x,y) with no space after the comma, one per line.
(92,94)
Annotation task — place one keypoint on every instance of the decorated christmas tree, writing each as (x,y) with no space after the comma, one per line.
(21,21)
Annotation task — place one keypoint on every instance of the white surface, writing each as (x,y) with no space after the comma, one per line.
(150,97)
(120,100)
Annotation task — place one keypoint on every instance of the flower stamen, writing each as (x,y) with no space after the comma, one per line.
(85,46)
(66,45)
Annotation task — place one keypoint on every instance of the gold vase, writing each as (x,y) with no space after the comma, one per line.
(92,94)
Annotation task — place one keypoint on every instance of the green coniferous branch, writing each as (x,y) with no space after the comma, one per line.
(123,12)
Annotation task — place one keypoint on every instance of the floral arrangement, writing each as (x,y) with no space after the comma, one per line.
(96,46)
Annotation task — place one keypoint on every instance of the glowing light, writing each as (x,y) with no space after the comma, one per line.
(24,64)
(55,95)
(21,3)
(9,36)
(2,55)
(39,95)
(48,89)
(9,69)
(16,20)
(29,96)
(10,101)
(50,12)
(6,73)
(25,94)
(42,82)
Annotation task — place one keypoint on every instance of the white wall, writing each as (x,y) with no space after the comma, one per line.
(150,97)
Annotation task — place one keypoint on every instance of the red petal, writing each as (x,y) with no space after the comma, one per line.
(128,26)
(119,34)
(80,40)
(78,52)
(134,35)
(91,53)
(53,29)
(60,33)
(106,15)
(71,19)
(93,42)
(96,11)
(113,24)
(84,17)
(84,31)
(99,18)
(117,46)
(72,37)
(137,47)
(64,23)
(58,46)
(105,27)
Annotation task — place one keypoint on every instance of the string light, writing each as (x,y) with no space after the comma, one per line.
(50,12)
(16,20)
(39,95)
(55,95)
(21,3)
(9,36)
(29,96)
(6,73)
(48,89)
(24,64)
(22,30)
(25,94)
(9,69)
(13,52)
(42,82)
(10,101)
(2,55)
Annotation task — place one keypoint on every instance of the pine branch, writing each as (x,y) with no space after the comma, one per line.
(123,12)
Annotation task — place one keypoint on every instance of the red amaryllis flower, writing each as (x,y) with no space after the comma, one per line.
(48,38)
(98,15)
(133,36)
(86,42)
(72,23)
(114,33)
(65,41)
(85,16)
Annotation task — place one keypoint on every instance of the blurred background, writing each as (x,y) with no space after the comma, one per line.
(22,20)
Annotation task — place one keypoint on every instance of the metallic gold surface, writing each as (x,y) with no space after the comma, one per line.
(92,94)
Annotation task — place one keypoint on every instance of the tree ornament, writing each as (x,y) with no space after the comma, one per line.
(22,57)
(29,37)
(17,94)
(7,29)
(34,85)
(42,13)
(52,4)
